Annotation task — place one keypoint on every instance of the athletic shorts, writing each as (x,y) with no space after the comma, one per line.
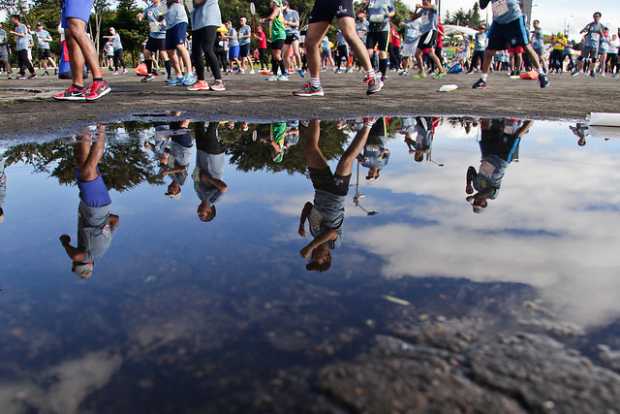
(4,53)
(155,45)
(509,35)
(519,50)
(378,39)
(75,9)
(277,44)
(290,38)
(44,54)
(428,41)
(409,49)
(244,51)
(323,179)
(93,193)
(589,52)
(233,52)
(176,35)
(327,10)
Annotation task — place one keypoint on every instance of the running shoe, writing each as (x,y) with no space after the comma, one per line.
(148,78)
(439,75)
(72,93)
(218,86)
(308,90)
(174,81)
(593,74)
(199,86)
(189,79)
(374,85)
(98,89)
(252,72)
(301,73)
(481,84)
(272,78)
(283,78)
(543,79)
(22,77)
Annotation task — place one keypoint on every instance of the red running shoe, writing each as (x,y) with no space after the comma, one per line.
(97,90)
(72,93)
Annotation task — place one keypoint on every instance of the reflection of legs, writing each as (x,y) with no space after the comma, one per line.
(89,155)
(312,153)
(355,148)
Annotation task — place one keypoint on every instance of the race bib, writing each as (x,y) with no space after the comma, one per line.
(595,37)
(500,8)
(377,18)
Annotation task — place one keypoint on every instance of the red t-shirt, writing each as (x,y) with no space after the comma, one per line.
(262,41)
(440,36)
(394,37)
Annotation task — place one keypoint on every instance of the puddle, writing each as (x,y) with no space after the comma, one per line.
(173,279)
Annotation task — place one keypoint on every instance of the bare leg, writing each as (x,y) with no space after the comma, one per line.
(316,32)
(347,25)
(77,28)
(355,148)
(312,153)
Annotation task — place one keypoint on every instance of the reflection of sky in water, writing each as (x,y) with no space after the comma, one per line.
(552,227)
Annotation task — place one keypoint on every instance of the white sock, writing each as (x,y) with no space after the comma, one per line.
(371,73)
(484,77)
(315,82)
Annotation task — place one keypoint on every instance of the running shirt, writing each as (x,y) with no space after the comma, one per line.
(245,35)
(538,39)
(604,44)
(42,42)
(155,27)
(506,11)
(428,20)
(116,42)
(94,232)
(327,214)
(378,15)
(3,37)
(176,14)
(262,40)
(481,41)
(594,32)
(233,37)
(614,45)
(291,16)
(278,31)
(340,40)
(325,44)
(412,31)
(362,27)
(21,42)
(207,14)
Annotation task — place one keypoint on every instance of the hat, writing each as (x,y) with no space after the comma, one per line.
(83,270)
(173,196)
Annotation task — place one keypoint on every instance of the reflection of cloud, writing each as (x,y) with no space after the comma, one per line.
(69,385)
(544,230)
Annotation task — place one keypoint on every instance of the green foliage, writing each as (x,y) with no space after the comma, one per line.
(469,18)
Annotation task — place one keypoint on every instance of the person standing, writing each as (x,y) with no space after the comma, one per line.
(119,61)
(43,44)
(233,46)
(278,37)
(261,38)
(206,19)
(5,53)
(245,40)
(379,14)
(176,38)
(591,45)
(21,46)
(291,44)
(156,41)
(75,15)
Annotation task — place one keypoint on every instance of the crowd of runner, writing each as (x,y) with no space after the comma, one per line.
(184,42)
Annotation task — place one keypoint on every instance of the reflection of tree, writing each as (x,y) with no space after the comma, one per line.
(124,164)
(253,156)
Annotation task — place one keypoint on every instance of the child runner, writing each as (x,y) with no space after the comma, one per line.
(261,38)
(428,15)
(176,35)
(43,44)
(5,55)
(156,41)
(321,17)
(22,44)
(412,38)
(591,45)
(508,30)
(278,36)
(75,15)
(206,18)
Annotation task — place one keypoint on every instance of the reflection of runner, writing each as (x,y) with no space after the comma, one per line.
(499,146)
(419,135)
(207,176)
(2,188)
(176,157)
(96,223)
(375,156)
(326,215)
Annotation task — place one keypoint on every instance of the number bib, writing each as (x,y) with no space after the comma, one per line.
(500,8)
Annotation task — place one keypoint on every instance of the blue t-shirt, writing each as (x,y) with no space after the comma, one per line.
(176,14)
(412,31)
(245,31)
(340,40)
(538,39)
(291,16)
(428,20)
(42,42)
(594,33)
(207,14)
(155,26)
(362,27)
(233,37)
(378,15)
(21,42)
(506,11)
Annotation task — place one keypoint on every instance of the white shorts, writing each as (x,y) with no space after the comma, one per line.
(409,49)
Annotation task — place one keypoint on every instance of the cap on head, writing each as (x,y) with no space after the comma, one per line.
(83,270)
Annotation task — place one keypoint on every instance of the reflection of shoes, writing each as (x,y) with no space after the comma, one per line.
(439,75)
(309,90)
(481,84)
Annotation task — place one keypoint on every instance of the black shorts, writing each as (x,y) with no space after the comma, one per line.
(326,10)
(378,39)
(509,35)
(428,40)
(290,38)
(277,44)
(155,45)
(323,179)
(244,51)
(44,54)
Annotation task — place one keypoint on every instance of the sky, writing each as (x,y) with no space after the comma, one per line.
(555,14)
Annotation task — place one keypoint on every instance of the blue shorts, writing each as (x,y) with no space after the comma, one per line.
(233,52)
(509,35)
(75,9)
(176,35)
(93,193)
